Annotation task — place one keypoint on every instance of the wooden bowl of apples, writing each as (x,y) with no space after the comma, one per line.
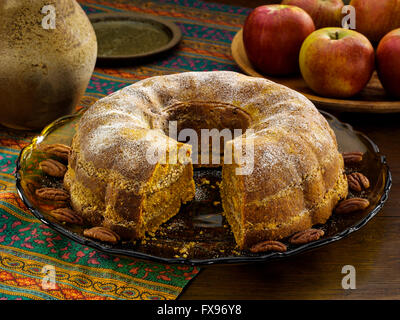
(309,46)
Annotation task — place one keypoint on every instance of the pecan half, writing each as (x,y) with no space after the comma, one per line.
(306,236)
(351,205)
(351,158)
(53,168)
(102,234)
(66,215)
(52,194)
(357,181)
(268,246)
(61,151)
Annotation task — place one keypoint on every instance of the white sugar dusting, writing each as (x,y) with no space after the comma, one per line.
(116,127)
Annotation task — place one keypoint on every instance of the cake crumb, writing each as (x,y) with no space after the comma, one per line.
(204,181)
(236,253)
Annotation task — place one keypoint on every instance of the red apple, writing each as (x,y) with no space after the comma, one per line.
(325,13)
(388,62)
(273,35)
(375,18)
(337,62)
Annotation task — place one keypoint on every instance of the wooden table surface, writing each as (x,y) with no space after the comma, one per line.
(374,250)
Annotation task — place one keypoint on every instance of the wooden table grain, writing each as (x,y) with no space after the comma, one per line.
(374,250)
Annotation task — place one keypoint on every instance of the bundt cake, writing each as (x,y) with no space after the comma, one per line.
(128,171)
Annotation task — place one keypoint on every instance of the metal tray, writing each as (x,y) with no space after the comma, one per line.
(129,36)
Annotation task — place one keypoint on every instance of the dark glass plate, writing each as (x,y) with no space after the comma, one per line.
(199,234)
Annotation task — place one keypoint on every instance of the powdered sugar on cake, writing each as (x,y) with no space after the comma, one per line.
(142,106)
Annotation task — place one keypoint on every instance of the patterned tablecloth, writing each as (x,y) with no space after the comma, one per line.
(30,251)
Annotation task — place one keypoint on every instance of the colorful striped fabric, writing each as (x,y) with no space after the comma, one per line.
(30,251)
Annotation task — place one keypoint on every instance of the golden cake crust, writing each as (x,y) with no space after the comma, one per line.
(297,177)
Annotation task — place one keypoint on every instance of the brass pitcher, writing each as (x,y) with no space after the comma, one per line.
(48,51)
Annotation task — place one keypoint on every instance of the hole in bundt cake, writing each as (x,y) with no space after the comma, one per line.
(214,123)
